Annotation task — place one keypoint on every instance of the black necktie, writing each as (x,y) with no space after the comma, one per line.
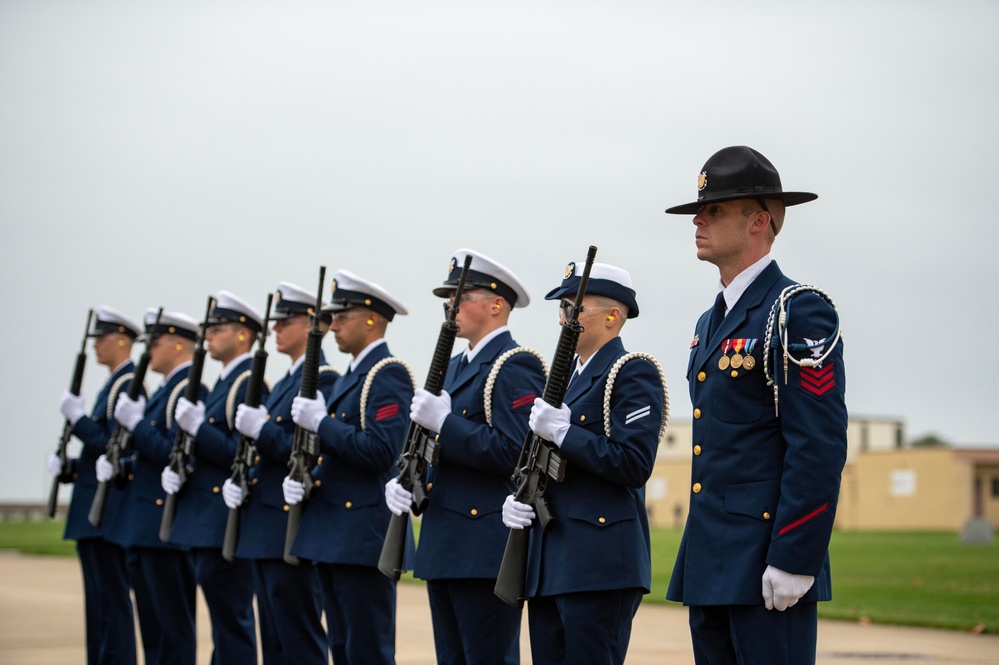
(463,363)
(572,378)
(717,314)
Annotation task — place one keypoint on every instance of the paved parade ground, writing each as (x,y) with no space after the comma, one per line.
(41,623)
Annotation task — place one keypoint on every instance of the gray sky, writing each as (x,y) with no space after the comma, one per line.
(153,153)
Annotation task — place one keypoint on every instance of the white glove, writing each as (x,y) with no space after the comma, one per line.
(104,469)
(398,499)
(782,590)
(250,420)
(549,423)
(169,481)
(232,494)
(129,413)
(294,491)
(189,415)
(428,410)
(308,413)
(517,515)
(55,465)
(71,406)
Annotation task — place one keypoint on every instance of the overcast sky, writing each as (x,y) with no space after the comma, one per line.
(153,153)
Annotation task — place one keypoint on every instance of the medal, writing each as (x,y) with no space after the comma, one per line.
(749,362)
(723,361)
(737,358)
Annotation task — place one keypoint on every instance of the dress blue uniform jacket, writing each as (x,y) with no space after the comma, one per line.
(462,535)
(599,537)
(94,433)
(345,518)
(767,484)
(265,518)
(201,512)
(150,445)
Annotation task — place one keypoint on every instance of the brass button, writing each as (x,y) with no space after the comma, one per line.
(256,459)
(697,413)
(255,481)
(319,460)
(474,511)
(333,416)
(734,374)
(766,516)
(278,419)
(212,420)
(430,486)
(601,519)
(317,483)
(131,476)
(268,417)
(582,418)
(464,411)
(697,488)
(348,504)
(697,450)
(153,423)
(287,507)
(437,437)
(159,502)
(343,415)
(701,376)
(216,489)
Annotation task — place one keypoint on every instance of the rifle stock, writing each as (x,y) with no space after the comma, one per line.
(67,431)
(246,451)
(539,459)
(183,444)
(306,446)
(119,439)
(420,449)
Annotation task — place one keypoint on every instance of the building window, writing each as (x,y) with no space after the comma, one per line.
(995,487)
(903,482)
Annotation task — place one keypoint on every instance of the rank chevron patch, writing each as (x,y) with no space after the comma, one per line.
(818,380)
(637,414)
(386,412)
(524,401)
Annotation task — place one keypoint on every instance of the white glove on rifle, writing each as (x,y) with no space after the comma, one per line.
(189,415)
(397,497)
(71,406)
(294,491)
(128,413)
(169,481)
(54,465)
(549,423)
(308,413)
(250,420)
(783,590)
(104,469)
(517,515)
(429,410)
(232,494)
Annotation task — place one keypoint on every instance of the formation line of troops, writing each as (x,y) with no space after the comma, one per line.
(766,380)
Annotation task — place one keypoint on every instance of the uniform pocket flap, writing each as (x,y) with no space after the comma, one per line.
(758,500)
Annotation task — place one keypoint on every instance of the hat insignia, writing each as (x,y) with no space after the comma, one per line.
(569,270)
(277,296)
(333,286)
(702,181)
(450,266)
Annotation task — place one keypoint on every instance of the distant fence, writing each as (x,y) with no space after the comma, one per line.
(28,512)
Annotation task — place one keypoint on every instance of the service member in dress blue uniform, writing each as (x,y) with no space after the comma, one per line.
(233,326)
(462,536)
(288,601)
(589,569)
(767,384)
(110,622)
(361,430)
(161,574)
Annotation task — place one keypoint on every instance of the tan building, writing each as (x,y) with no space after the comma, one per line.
(886,485)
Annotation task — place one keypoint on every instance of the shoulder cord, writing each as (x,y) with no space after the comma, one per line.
(115,389)
(230,400)
(608,389)
(487,393)
(172,402)
(370,378)
(777,321)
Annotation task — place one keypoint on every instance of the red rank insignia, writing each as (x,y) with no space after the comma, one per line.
(818,380)
(386,412)
(524,401)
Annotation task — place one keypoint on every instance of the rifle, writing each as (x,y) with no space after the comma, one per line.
(67,430)
(120,437)
(246,452)
(183,443)
(305,450)
(420,449)
(539,459)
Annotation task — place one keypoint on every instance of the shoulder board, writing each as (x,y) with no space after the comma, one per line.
(609,388)
(487,392)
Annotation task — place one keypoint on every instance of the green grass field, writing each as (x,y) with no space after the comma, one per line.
(917,579)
